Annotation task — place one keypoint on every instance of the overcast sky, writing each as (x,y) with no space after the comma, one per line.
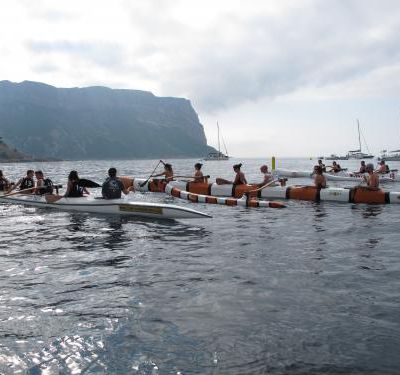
(288,78)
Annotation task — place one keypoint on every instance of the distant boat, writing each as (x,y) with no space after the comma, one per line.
(218,155)
(358,154)
(390,155)
(336,157)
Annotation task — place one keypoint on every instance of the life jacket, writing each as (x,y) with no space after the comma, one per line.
(47,187)
(27,183)
(76,191)
(112,188)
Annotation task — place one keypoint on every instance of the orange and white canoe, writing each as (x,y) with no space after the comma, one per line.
(308,193)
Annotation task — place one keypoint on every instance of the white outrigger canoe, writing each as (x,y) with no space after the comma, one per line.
(111,207)
(339,176)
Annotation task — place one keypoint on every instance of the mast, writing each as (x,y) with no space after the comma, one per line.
(359,137)
(219,146)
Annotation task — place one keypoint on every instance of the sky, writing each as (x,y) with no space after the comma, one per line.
(284,78)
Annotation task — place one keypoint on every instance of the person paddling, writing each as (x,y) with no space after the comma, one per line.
(240,178)
(362,167)
(372,179)
(4,183)
(335,168)
(198,174)
(267,176)
(168,172)
(26,182)
(383,168)
(74,190)
(43,185)
(322,165)
(319,179)
(113,186)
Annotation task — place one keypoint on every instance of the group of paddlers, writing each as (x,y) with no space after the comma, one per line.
(369,174)
(35,182)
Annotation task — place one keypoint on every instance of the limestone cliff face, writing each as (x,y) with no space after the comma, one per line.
(97,123)
(8,154)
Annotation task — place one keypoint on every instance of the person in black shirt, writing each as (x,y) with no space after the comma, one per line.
(113,186)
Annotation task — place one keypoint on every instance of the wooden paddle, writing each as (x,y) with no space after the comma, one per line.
(264,186)
(19,192)
(151,175)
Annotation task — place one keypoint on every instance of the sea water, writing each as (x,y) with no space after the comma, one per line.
(310,289)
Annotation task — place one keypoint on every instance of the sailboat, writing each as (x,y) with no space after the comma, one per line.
(218,155)
(358,154)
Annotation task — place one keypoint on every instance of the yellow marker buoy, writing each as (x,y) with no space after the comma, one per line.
(273,163)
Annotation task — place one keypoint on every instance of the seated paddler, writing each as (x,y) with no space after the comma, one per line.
(113,186)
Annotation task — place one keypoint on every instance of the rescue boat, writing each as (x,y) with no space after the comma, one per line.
(122,207)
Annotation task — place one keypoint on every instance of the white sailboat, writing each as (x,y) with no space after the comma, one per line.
(218,155)
(358,154)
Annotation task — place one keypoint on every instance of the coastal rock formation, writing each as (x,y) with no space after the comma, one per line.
(98,123)
(8,154)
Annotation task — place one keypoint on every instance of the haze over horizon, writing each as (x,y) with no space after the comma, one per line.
(287,79)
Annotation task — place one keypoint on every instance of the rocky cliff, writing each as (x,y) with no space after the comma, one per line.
(8,154)
(97,123)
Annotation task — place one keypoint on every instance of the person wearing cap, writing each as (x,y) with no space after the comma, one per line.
(372,179)
(198,174)
(113,186)
(168,172)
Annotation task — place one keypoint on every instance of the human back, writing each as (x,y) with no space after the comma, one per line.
(113,187)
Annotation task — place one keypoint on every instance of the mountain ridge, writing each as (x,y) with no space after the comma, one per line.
(98,123)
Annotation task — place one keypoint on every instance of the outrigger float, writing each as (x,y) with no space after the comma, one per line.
(102,206)
(355,194)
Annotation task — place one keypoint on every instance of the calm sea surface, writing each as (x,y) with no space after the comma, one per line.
(311,289)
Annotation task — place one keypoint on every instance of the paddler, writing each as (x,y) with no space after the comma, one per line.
(382,168)
(198,174)
(268,177)
(74,190)
(362,167)
(322,165)
(319,179)
(372,179)
(43,185)
(4,183)
(168,172)
(240,178)
(26,182)
(113,186)
(335,168)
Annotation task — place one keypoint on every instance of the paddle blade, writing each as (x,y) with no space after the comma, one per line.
(88,183)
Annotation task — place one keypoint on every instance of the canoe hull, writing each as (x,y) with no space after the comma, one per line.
(109,207)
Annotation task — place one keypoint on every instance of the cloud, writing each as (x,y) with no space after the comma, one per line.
(104,54)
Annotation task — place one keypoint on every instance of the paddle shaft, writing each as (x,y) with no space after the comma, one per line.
(151,175)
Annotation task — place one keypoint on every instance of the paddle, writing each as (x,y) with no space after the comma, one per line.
(192,176)
(88,183)
(264,186)
(151,175)
(19,192)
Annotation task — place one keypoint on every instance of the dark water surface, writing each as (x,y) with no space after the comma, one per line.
(311,289)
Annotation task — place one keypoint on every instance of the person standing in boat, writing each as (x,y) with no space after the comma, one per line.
(26,182)
(4,183)
(113,186)
(74,190)
(372,179)
(319,179)
(198,174)
(168,172)
(43,185)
